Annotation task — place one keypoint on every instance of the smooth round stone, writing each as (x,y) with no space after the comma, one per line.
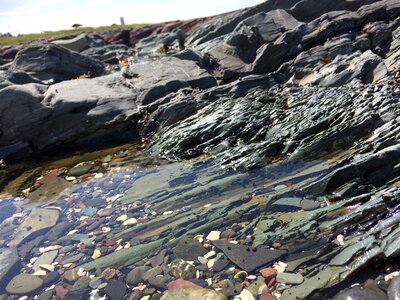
(24,284)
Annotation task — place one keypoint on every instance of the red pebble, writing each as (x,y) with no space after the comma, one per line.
(267,296)
(60,291)
(109,243)
(181,283)
(268,272)
(271,282)
(276,245)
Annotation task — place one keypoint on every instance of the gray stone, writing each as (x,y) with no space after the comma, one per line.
(159,42)
(135,276)
(71,258)
(24,284)
(287,204)
(189,249)
(46,258)
(308,204)
(289,278)
(152,273)
(159,282)
(8,78)
(107,53)
(81,284)
(79,170)
(79,43)
(38,221)
(58,231)
(220,263)
(270,24)
(158,79)
(52,62)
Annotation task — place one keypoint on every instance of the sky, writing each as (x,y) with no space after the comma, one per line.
(31,16)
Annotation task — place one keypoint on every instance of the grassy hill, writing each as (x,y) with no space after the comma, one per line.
(10,40)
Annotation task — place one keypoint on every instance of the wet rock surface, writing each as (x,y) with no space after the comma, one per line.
(280,123)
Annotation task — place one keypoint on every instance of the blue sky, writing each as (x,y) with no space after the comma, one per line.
(27,16)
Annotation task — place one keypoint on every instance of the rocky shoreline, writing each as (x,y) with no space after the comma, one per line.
(280,124)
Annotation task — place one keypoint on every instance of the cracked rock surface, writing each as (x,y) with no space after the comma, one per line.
(278,129)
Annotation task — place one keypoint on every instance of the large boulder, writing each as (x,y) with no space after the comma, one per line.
(80,42)
(53,62)
(33,117)
(157,79)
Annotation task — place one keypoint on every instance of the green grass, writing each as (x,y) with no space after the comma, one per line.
(10,40)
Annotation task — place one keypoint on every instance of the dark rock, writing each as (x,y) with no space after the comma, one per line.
(165,40)
(394,289)
(158,259)
(159,282)
(51,277)
(228,234)
(47,295)
(248,258)
(136,275)
(49,61)
(220,263)
(81,284)
(189,249)
(8,78)
(152,273)
(361,293)
(108,53)
(116,290)
(80,42)
(58,231)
